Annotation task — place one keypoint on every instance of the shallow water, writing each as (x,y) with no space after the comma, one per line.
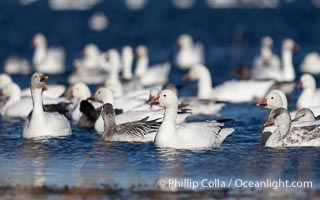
(83,160)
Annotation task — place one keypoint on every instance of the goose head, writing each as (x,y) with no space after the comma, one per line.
(267,42)
(279,117)
(39,40)
(141,51)
(196,72)
(38,81)
(103,95)
(166,99)
(80,91)
(4,80)
(274,99)
(289,45)
(113,58)
(304,115)
(307,81)
(184,40)
(11,90)
(91,50)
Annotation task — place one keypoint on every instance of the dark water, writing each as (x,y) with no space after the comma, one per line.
(231,37)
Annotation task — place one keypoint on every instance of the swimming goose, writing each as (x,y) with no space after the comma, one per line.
(311,63)
(190,53)
(40,123)
(47,60)
(266,64)
(197,135)
(17,65)
(136,131)
(230,91)
(285,136)
(310,96)
(153,75)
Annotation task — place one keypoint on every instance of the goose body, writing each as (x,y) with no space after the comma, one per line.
(311,63)
(40,123)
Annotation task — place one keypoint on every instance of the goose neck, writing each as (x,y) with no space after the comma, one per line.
(204,85)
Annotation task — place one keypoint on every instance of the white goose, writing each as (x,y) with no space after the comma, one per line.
(310,96)
(230,91)
(40,123)
(4,80)
(311,63)
(285,136)
(47,60)
(153,75)
(187,135)
(190,53)
(79,91)
(266,64)
(17,65)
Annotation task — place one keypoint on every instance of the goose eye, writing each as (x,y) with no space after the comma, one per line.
(164,95)
(272,98)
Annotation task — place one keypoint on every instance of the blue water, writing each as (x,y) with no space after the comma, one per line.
(231,37)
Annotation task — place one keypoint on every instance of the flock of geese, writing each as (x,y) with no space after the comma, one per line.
(141,106)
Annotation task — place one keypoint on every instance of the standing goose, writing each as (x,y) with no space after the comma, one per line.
(285,136)
(137,131)
(197,135)
(39,122)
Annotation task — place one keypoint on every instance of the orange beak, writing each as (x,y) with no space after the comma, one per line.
(43,78)
(262,103)
(154,101)
(186,77)
(299,84)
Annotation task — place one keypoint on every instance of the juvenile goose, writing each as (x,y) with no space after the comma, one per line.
(285,136)
(197,135)
(304,115)
(230,91)
(137,131)
(310,96)
(39,122)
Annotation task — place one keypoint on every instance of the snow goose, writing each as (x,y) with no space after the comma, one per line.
(187,135)
(189,53)
(310,96)
(230,91)
(17,65)
(136,131)
(153,75)
(267,63)
(41,123)
(47,60)
(311,63)
(285,136)
(79,91)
